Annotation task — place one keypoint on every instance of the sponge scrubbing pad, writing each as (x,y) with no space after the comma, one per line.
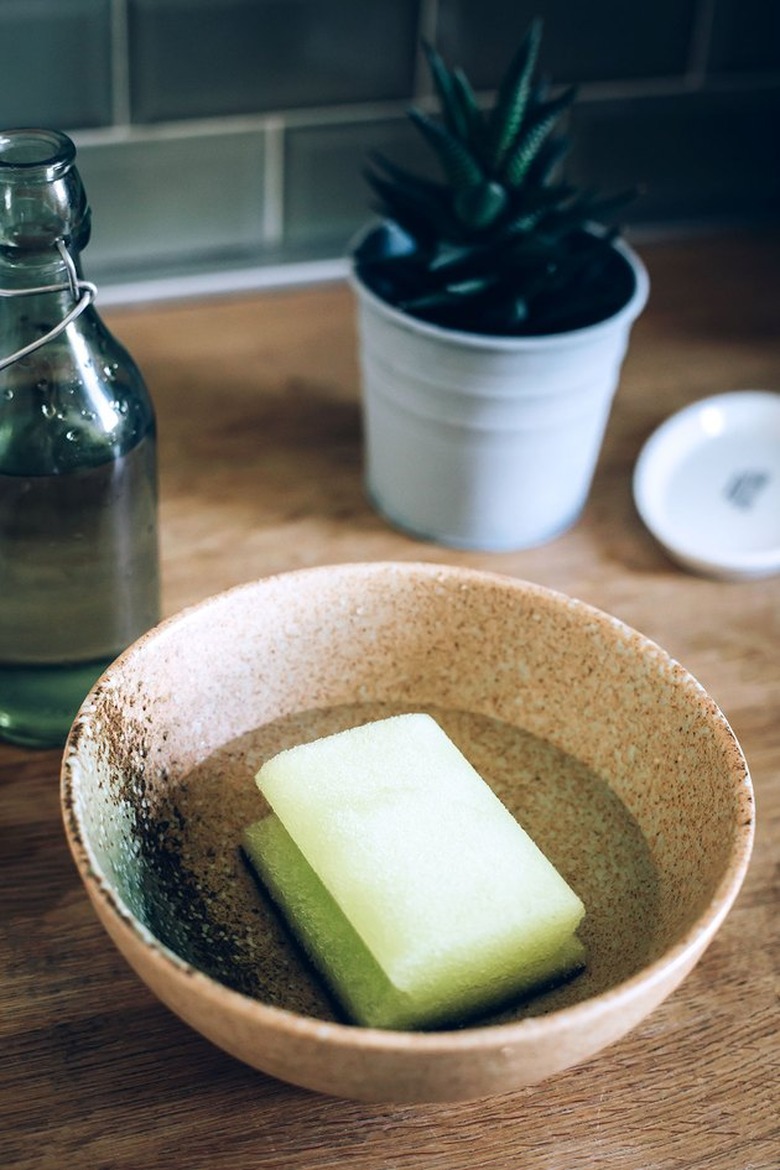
(411,887)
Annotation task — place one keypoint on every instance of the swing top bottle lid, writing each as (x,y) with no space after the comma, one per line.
(41,193)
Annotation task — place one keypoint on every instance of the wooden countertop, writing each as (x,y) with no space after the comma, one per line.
(260,455)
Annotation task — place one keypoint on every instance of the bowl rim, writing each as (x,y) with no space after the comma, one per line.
(676,959)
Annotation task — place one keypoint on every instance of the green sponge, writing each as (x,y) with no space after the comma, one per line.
(411,887)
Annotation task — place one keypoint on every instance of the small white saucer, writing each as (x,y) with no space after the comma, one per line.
(707,485)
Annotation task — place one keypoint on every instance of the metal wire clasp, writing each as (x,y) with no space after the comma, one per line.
(84,293)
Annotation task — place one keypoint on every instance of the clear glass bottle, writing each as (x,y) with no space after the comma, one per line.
(79,577)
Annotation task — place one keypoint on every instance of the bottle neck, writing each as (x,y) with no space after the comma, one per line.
(44,224)
(40,296)
(54,266)
(43,208)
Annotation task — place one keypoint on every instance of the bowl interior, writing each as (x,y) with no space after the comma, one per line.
(606,750)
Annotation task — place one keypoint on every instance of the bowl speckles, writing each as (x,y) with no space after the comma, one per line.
(608,751)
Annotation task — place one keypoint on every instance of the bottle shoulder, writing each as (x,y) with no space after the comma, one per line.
(78,401)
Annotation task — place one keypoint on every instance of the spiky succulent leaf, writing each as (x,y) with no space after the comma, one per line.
(403,177)
(481,205)
(453,292)
(448,256)
(527,148)
(513,95)
(459,107)
(458,163)
(417,211)
(397,184)
(473,118)
(534,205)
(548,159)
(455,118)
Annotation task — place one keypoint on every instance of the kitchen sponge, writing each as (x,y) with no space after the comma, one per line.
(411,887)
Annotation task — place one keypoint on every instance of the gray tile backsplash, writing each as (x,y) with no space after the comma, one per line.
(327,199)
(602,40)
(205,189)
(229,135)
(674,147)
(745,36)
(55,63)
(196,59)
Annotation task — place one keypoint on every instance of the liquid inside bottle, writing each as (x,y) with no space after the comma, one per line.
(79,578)
(78,563)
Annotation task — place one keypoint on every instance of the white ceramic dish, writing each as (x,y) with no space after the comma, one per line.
(707,485)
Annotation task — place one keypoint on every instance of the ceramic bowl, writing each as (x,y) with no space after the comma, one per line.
(609,753)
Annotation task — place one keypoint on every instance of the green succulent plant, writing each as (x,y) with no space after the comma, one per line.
(502,244)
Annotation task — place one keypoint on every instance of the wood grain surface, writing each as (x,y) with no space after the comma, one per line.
(260,451)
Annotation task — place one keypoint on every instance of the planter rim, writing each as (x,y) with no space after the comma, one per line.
(625,315)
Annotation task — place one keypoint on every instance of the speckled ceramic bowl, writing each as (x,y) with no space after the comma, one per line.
(609,753)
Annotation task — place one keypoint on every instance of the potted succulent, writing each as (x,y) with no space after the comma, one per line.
(494,310)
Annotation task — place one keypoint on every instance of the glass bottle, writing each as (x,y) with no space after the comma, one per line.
(79,576)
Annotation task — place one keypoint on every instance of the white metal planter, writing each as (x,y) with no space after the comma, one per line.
(486,442)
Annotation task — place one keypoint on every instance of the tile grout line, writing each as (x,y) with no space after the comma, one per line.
(274,149)
(594,91)
(120,64)
(701,42)
(427,30)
